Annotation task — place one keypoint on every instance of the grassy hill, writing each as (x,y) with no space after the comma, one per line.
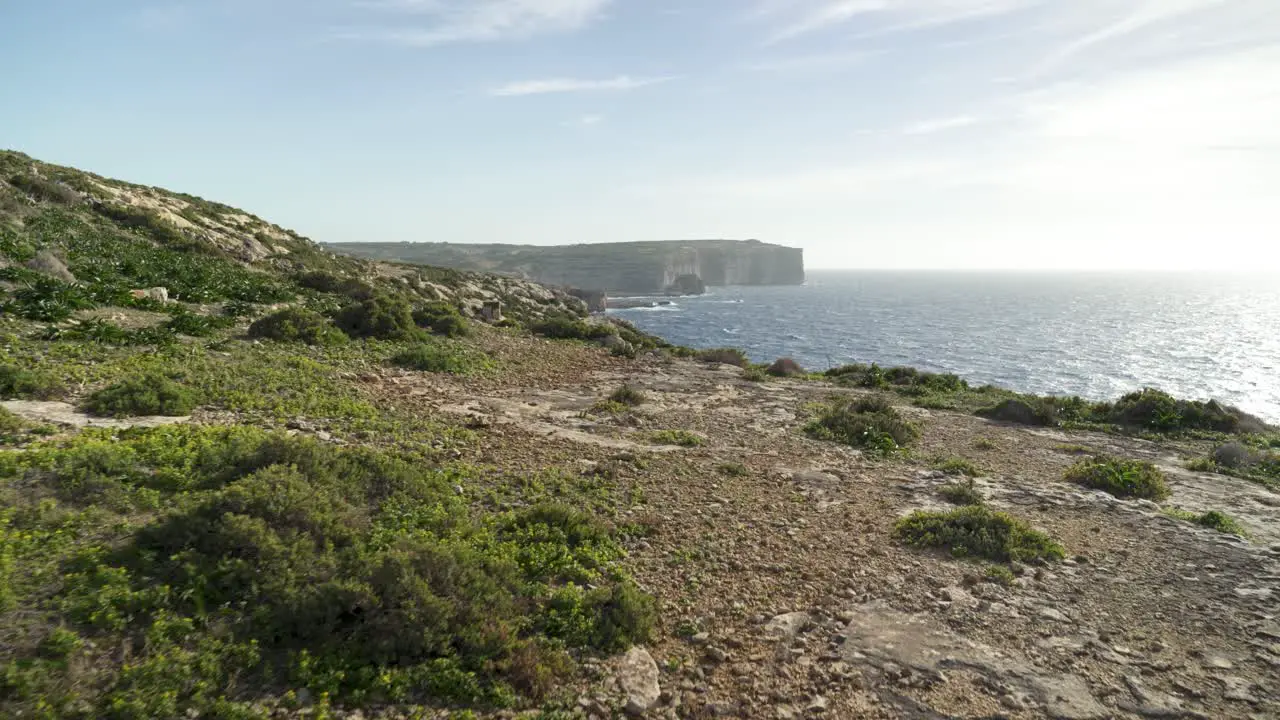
(272,535)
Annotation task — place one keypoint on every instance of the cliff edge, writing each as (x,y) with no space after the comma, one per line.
(633,267)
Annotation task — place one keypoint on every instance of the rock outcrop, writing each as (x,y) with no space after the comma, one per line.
(620,268)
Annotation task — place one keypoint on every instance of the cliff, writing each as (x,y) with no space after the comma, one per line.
(636,267)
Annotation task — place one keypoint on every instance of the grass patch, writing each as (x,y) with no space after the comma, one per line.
(868,423)
(1073,449)
(755,373)
(628,396)
(984,443)
(1212,519)
(439,358)
(682,438)
(610,407)
(148,394)
(1121,478)
(976,531)
(956,466)
(965,493)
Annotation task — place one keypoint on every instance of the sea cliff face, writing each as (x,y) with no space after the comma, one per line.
(639,268)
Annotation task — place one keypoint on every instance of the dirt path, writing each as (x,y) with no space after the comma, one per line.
(782,594)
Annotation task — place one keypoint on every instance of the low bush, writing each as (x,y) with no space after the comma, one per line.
(1000,575)
(11,427)
(965,493)
(268,561)
(295,324)
(785,367)
(1212,519)
(733,469)
(869,423)
(1159,411)
(50,265)
(442,319)
(683,438)
(184,322)
(978,532)
(327,282)
(627,395)
(906,380)
(725,356)
(1121,478)
(47,300)
(1233,455)
(48,190)
(434,358)
(755,373)
(957,466)
(146,394)
(382,316)
(18,382)
(1260,465)
(567,328)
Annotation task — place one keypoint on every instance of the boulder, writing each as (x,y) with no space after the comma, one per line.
(638,678)
(158,294)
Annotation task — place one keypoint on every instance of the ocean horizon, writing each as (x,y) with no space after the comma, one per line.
(1096,334)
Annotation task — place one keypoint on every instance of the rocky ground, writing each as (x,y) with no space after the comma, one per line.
(782,594)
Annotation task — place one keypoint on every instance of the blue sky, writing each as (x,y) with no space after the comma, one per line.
(873,133)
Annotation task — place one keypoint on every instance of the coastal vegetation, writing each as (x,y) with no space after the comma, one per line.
(975,531)
(1120,477)
(868,423)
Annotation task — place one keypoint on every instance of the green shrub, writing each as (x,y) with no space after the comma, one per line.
(869,423)
(1000,575)
(42,189)
(725,356)
(906,380)
(1159,411)
(327,282)
(1022,412)
(683,438)
(1212,519)
(965,493)
(957,466)
(1121,478)
(627,395)
(381,316)
(567,328)
(47,300)
(434,358)
(442,319)
(147,394)
(16,382)
(755,374)
(184,322)
(979,532)
(11,427)
(295,324)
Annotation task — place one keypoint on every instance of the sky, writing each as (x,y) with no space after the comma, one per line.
(1065,134)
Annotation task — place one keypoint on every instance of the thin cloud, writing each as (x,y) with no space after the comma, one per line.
(793,18)
(571,85)
(931,127)
(457,21)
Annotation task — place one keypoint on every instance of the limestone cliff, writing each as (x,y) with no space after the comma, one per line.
(639,267)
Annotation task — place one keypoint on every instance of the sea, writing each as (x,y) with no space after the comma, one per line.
(1096,335)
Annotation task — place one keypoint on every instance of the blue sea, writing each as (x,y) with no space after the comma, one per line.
(1096,335)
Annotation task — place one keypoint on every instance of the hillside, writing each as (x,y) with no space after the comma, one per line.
(295,484)
(634,267)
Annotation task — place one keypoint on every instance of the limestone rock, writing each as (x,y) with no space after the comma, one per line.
(638,677)
(787,625)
